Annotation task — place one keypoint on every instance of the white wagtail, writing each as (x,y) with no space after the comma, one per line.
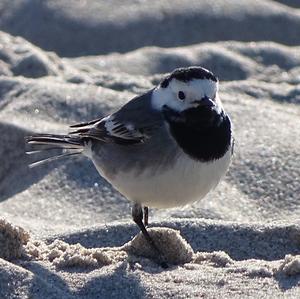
(165,148)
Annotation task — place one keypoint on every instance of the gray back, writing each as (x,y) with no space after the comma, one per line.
(159,150)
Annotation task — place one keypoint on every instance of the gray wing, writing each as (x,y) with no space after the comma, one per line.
(135,122)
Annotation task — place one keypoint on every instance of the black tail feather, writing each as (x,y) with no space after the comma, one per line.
(60,140)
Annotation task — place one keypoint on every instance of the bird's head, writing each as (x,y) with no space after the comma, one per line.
(188,91)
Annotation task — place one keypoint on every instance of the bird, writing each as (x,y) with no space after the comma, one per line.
(166,148)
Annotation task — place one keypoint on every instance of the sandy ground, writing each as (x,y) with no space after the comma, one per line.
(76,240)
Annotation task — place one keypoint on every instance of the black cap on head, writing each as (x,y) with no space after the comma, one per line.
(186,74)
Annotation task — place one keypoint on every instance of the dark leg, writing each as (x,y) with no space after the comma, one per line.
(146,216)
(137,216)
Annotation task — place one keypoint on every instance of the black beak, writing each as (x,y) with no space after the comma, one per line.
(205,102)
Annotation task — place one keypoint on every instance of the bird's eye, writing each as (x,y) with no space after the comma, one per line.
(181,95)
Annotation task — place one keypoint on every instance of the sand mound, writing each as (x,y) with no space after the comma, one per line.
(290,266)
(64,255)
(24,59)
(12,240)
(174,248)
(217,258)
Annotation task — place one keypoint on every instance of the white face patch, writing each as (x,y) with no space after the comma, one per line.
(194,90)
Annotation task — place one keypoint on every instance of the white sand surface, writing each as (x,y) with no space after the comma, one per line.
(75,240)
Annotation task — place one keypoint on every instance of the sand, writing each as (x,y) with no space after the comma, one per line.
(66,233)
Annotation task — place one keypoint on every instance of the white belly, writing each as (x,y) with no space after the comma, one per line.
(186,182)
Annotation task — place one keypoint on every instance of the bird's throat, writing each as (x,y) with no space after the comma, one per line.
(204,135)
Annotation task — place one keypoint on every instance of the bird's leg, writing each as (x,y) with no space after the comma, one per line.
(137,216)
(146,216)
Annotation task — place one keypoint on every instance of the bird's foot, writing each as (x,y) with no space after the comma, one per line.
(146,210)
(137,215)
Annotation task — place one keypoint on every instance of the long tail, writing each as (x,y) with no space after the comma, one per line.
(70,146)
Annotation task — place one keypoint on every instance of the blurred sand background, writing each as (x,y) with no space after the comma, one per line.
(63,62)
